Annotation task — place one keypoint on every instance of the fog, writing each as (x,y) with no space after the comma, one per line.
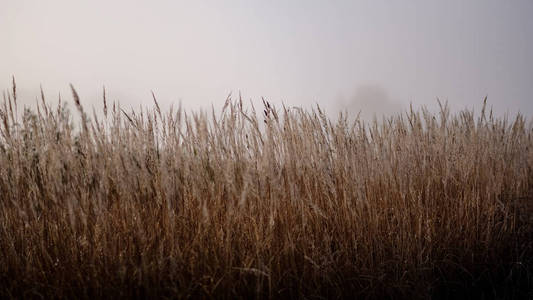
(376,57)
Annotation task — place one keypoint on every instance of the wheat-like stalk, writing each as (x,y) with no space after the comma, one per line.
(177,204)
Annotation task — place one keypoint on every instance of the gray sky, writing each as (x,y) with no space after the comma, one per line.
(372,55)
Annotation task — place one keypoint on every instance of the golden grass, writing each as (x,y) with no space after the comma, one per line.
(284,204)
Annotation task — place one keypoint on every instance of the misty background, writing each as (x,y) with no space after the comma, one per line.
(369,56)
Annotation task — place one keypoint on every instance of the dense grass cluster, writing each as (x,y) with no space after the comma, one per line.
(286,203)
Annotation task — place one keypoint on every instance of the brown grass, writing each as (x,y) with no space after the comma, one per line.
(285,204)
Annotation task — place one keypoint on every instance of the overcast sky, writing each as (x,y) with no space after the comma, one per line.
(373,55)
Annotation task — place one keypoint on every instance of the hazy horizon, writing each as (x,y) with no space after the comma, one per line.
(375,56)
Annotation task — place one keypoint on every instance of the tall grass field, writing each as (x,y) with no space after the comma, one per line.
(263,202)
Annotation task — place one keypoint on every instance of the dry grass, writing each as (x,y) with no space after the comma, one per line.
(172,204)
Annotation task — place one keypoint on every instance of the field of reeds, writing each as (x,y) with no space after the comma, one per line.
(282,203)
